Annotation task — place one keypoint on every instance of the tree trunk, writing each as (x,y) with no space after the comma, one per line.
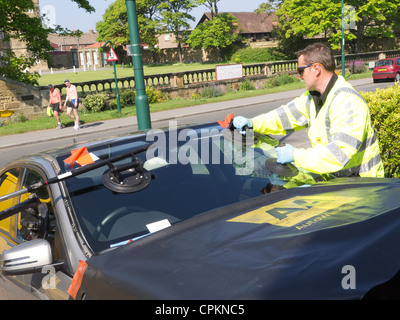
(180,52)
(359,33)
(154,54)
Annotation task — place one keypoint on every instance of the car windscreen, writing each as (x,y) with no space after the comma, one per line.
(192,171)
(384,63)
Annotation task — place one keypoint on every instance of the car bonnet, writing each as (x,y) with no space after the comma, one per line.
(292,244)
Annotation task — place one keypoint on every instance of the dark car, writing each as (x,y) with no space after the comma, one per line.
(387,69)
(65,205)
(198,212)
(329,241)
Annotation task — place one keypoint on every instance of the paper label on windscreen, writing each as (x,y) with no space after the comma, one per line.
(158,225)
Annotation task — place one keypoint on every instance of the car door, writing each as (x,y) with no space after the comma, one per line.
(14,230)
(9,182)
(26,226)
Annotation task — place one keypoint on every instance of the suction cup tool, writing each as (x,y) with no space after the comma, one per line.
(236,137)
(233,135)
(286,170)
(128,178)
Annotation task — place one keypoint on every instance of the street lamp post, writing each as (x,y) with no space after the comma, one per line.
(343,61)
(142,101)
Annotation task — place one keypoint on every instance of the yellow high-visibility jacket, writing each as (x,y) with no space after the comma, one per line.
(342,138)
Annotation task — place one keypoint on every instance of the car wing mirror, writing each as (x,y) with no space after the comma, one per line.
(28,257)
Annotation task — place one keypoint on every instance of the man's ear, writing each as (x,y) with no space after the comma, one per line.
(317,69)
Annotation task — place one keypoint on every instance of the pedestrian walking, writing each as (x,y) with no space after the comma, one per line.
(72,103)
(55,104)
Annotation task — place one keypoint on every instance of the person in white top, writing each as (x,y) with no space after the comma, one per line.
(72,103)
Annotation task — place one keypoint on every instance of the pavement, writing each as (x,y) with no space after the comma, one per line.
(107,125)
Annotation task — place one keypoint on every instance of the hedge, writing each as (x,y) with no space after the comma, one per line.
(256,55)
(384,105)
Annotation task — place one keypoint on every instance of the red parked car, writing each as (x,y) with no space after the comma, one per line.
(387,69)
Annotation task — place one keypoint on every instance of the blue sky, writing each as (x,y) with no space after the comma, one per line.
(67,14)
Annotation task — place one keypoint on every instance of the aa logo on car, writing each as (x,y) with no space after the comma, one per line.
(290,212)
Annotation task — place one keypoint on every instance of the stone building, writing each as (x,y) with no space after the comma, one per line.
(81,52)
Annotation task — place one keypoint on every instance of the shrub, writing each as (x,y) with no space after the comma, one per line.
(95,102)
(22,118)
(15,118)
(357,66)
(113,105)
(195,95)
(385,117)
(256,55)
(247,85)
(154,96)
(279,80)
(212,91)
(127,98)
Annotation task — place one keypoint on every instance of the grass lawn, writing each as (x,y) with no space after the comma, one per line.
(44,122)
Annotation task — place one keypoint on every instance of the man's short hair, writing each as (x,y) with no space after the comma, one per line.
(50,86)
(318,53)
(66,80)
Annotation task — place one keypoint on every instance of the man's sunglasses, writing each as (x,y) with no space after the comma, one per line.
(300,70)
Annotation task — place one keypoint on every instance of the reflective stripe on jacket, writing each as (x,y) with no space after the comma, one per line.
(343,140)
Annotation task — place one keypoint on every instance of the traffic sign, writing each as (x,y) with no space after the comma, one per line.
(112,55)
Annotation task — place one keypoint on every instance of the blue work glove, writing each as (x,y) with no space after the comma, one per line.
(240,122)
(285,154)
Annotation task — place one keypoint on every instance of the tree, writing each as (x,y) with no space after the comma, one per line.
(154,17)
(175,16)
(308,18)
(16,24)
(85,5)
(149,20)
(271,6)
(374,19)
(221,32)
(211,5)
(287,46)
(114,26)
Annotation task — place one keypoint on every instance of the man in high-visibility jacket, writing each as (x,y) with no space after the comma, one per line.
(337,117)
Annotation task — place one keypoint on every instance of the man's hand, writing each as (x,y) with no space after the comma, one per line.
(241,122)
(285,154)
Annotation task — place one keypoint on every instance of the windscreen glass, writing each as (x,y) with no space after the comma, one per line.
(192,171)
